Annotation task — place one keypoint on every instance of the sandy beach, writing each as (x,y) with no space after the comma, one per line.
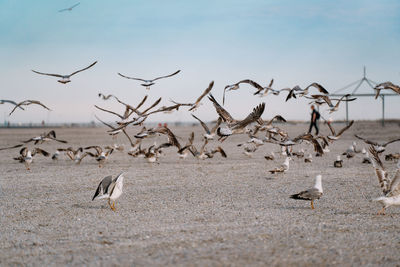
(195,212)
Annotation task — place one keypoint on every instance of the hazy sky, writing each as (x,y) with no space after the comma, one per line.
(294,42)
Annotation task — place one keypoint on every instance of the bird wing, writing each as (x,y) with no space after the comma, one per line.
(152,106)
(172,138)
(132,78)
(202,124)
(104,123)
(366,141)
(102,188)
(142,102)
(219,120)
(91,65)
(97,148)
(252,83)
(220,110)
(48,74)
(345,128)
(380,171)
(176,72)
(395,184)
(40,151)
(11,147)
(320,88)
(24,151)
(109,111)
(252,117)
(208,90)
(391,141)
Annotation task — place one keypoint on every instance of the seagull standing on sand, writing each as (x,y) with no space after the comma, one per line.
(312,193)
(111,189)
(67,77)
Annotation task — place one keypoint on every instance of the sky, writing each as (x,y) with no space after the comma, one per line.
(293,42)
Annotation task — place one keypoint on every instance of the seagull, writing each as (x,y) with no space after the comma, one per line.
(283,168)
(44,137)
(26,155)
(338,162)
(380,147)
(271,156)
(333,108)
(196,104)
(235,126)
(388,157)
(297,91)
(100,155)
(390,186)
(3,101)
(308,159)
(237,85)
(312,193)
(65,78)
(148,83)
(350,153)
(105,97)
(76,155)
(386,85)
(209,134)
(366,158)
(27,103)
(335,136)
(69,8)
(111,189)
(183,152)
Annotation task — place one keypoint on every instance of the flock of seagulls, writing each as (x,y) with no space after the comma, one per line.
(259,131)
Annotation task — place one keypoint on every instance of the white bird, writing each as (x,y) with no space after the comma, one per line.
(338,162)
(312,193)
(366,158)
(283,168)
(111,189)
(67,77)
(390,186)
(148,83)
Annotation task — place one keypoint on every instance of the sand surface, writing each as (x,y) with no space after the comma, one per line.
(193,212)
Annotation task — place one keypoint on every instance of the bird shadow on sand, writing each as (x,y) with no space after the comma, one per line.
(88,206)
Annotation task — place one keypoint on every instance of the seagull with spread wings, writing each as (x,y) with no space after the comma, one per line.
(297,91)
(27,103)
(26,155)
(196,104)
(148,83)
(67,77)
(390,186)
(69,8)
(386,86)
(236,86)
(335,136)
(209,134)
(380,147)
(44,137)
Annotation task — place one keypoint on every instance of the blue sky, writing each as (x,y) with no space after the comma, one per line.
(294,42)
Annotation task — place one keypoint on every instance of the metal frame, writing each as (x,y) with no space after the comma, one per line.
(353,93)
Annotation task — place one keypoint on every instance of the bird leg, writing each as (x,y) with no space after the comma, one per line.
(312,204)
(382,211)
(109,203)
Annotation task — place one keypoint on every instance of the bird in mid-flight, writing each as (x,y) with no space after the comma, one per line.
(69,8)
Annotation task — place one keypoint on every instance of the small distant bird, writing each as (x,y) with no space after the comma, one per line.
(338,162)
(69,8)
(390,186)
(111,189)
(366,158)
(148,83)
(349,153)
(271,156)
(26,155)
(100,155)
(297,91)
(283,168)
(386,85)
(105,97)
(44,137)
(65,78)
(27,103)
(312,193)
(308,159)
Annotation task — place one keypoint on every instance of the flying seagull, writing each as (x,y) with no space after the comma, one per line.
(27,103)
(44,137)
(196,104)
(26,155)
(312,193)
(148,83)
(390,186)
(380,147)
(209,134)
(297,91)
(386,85)
(65,78)
(237,85)
(69,8)
(111,189)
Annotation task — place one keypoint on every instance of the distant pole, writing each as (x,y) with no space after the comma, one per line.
(383,110)
(365,73)
(347,111)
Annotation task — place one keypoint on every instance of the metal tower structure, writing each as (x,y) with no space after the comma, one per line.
(357,84)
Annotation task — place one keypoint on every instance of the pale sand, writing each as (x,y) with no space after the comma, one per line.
(190,212)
